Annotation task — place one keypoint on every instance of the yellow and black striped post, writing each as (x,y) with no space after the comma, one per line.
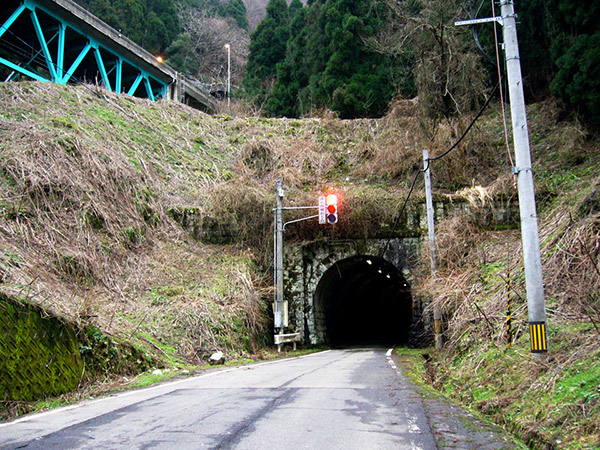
(537,332)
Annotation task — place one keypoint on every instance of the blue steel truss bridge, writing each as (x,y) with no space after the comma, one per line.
(59,41)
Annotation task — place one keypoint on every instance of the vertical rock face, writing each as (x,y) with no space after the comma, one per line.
(39,355)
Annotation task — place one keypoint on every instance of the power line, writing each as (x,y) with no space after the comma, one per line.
(399,215)
(414,182)
(485,105)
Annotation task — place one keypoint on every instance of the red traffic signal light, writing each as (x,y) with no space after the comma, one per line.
(331,206)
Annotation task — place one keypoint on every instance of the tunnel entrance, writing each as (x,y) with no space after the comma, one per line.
(363,300)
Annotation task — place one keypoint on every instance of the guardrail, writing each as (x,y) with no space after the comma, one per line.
(289,338)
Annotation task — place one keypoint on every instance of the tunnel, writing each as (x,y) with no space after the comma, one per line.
(363,300)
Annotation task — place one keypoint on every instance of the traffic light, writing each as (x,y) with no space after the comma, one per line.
(331,208)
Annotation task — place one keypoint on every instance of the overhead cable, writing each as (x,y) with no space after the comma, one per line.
(485,105)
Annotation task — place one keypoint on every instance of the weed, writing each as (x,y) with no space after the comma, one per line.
(107,212)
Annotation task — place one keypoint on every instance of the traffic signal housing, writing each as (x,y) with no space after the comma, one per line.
(331,208)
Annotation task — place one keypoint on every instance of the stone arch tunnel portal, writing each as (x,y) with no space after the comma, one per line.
(363,300)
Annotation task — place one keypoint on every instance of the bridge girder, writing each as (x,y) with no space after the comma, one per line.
(42,45)
(59,41)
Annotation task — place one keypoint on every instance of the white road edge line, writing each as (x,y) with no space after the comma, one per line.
(388,356)
(413,427)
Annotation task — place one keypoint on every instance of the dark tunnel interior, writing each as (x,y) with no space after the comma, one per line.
(364,300)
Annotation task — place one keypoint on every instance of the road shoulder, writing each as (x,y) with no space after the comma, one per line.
(452,426)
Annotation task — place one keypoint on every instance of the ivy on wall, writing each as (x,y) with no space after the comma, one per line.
(39,355)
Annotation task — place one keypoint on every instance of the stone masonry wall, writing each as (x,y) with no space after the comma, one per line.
(305,265)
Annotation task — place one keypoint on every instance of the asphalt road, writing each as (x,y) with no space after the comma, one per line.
(342,399)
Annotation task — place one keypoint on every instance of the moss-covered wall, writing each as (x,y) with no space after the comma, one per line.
(39,355)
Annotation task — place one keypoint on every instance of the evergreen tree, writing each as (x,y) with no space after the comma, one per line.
(559,45)
(535,40)
(295,6)
(166,12)
(155,41)
(355,81)
(327,64)
(182,56)
(292,75)
(105,10)
(267,49)
(237,10)
(577,81)
(153,24)
(576,52)
(131,17)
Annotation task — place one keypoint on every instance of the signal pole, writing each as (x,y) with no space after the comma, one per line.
(523,170)
(328,213)
(278,308)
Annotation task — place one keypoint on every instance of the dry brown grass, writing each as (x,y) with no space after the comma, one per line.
(86,183)
(92,175)
(454,287)
(471,283)
(546,400)
(88,179)
(573,273)
(86,186)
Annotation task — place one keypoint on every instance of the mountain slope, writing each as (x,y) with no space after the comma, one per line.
(150,224)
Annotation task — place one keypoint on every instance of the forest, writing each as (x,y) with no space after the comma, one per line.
(188,34)
(356,57)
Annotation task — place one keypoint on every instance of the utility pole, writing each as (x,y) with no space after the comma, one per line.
(437,314)
(228,48)
(278,307)
(523,171)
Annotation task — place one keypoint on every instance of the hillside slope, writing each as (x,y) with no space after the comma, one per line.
(553,401)
(149,224)
(146,226)
(91,191)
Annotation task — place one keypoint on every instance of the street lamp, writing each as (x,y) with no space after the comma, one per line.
(228,48)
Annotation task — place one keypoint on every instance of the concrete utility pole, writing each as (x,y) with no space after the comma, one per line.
(278,247)
(437,314)
(523,171)
(228,48)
